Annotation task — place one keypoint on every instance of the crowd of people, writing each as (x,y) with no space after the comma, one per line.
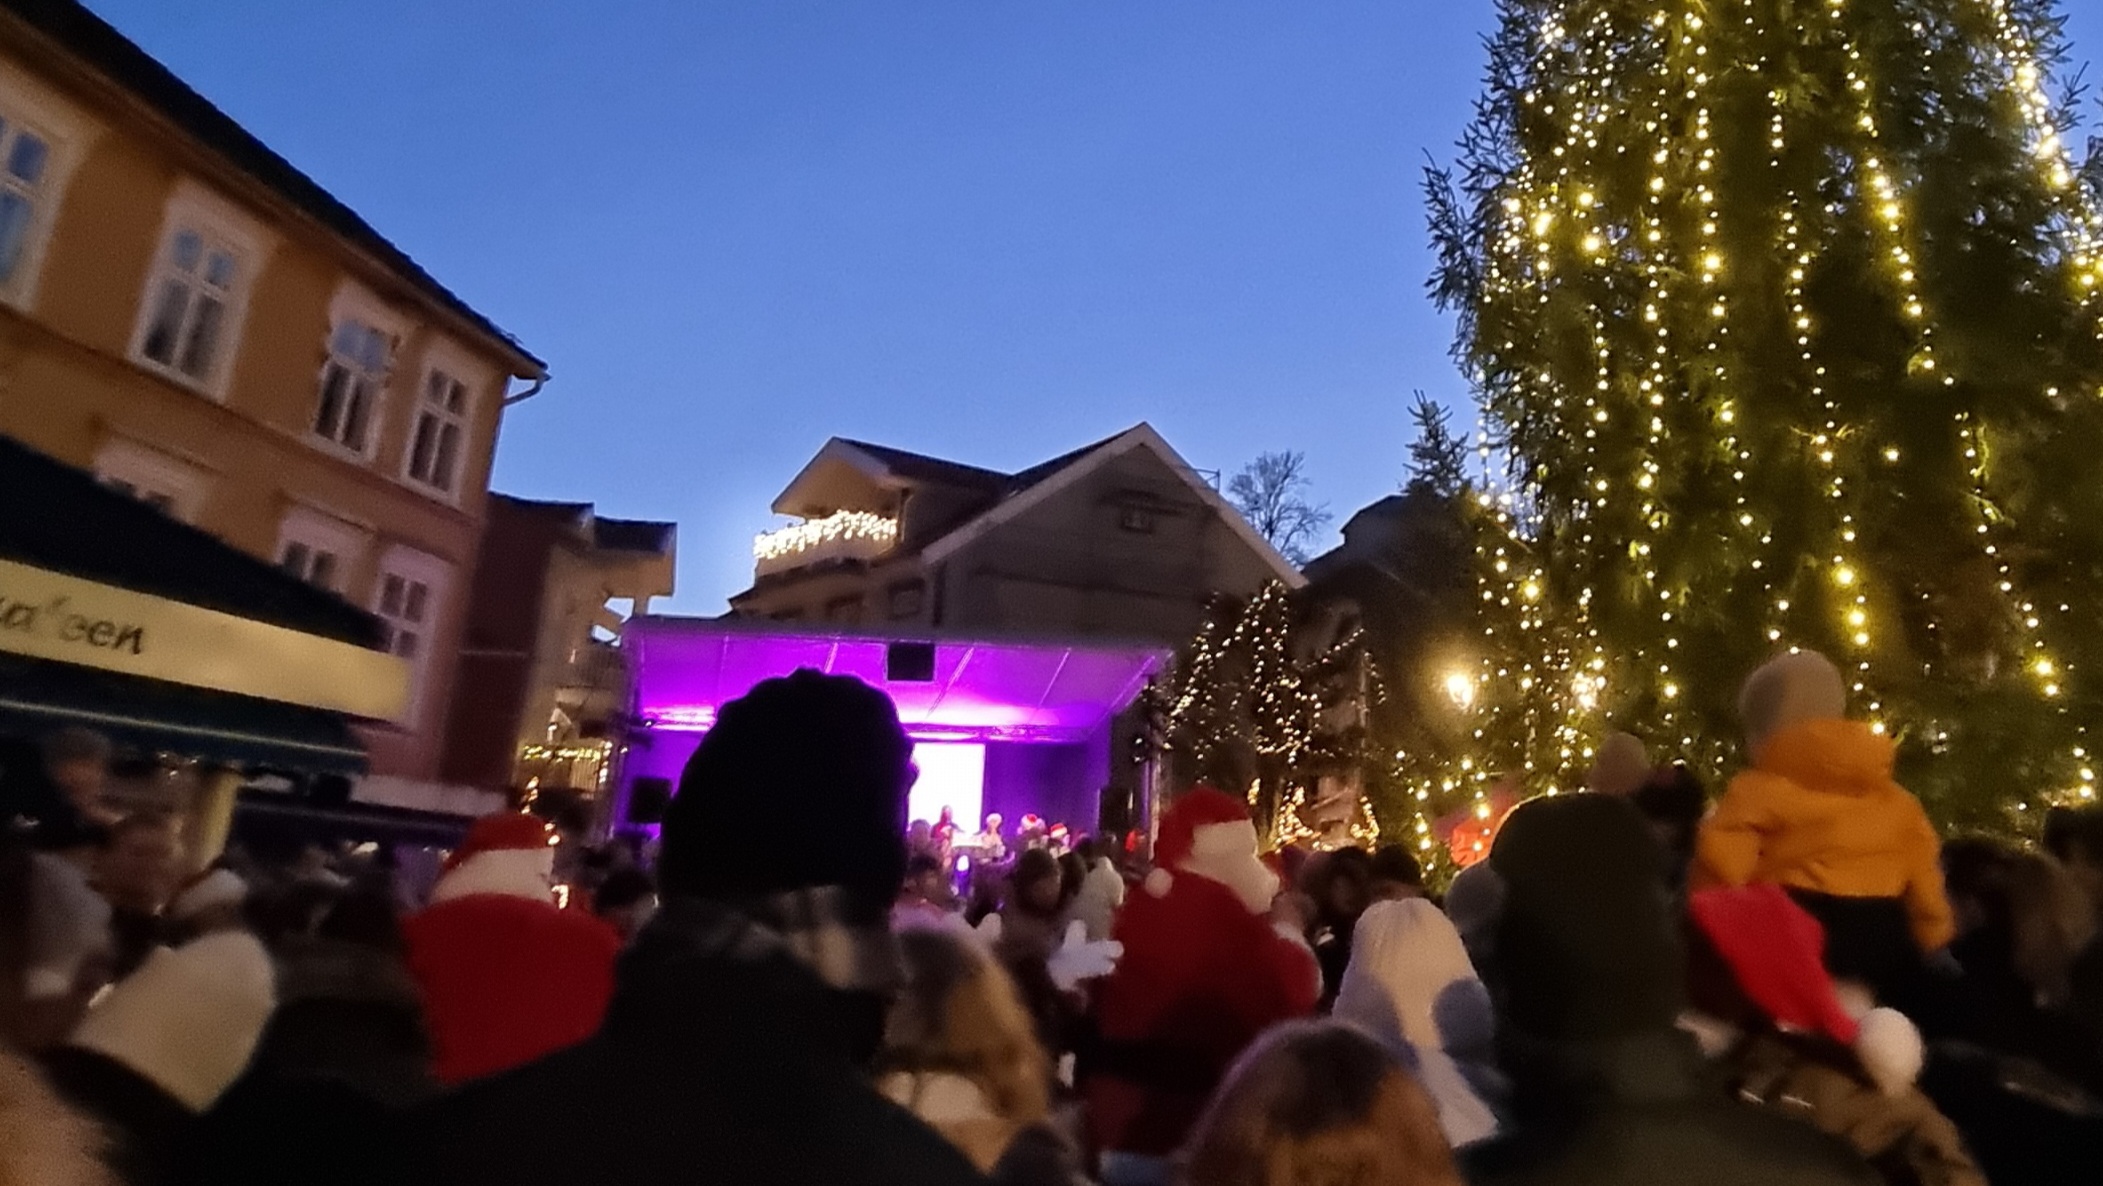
(1798,982)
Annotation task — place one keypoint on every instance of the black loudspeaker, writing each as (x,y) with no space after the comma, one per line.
(1113,815)
(647,800)
(910,663)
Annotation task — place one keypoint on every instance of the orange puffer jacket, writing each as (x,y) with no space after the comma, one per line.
(1819,811)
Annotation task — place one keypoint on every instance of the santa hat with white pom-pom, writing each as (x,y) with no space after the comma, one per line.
(1776,951)
(1208,833)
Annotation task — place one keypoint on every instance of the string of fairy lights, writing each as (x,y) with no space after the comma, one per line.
(1561,227)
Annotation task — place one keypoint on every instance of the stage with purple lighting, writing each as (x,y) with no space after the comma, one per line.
(1017,726)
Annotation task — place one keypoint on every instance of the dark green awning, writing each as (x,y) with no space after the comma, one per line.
(37,697)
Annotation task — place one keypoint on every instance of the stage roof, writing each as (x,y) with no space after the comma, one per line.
(990,689)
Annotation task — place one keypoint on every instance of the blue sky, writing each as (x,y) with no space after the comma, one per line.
(986,229)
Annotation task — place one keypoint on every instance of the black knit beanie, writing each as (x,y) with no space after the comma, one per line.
(1586,948)
(801,782)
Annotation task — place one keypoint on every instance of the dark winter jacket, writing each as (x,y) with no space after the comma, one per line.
(325,1099)
(1641,1110)
(713,1065)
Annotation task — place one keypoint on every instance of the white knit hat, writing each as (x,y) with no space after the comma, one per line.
(189,1018)
(1789,690)
(1621,767)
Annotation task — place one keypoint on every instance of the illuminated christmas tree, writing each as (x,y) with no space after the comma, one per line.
(1249,709)
(1788,318)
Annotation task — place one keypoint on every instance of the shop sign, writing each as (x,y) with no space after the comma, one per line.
(48,615)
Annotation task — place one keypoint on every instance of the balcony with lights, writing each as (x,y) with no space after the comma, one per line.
(856,536)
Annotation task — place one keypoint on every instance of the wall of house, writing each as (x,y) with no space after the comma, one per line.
(1129,551)
(240,443)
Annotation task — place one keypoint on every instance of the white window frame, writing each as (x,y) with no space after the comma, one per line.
(441,357)
(435,574)
(68,133)
(353,302)
(318,531)
(223,227)
(148,471)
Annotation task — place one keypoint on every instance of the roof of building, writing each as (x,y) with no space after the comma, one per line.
(633,535)
(616,535)
(919,467)
(1007,495)
(99,45)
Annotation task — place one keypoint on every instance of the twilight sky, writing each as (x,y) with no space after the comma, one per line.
(991,230)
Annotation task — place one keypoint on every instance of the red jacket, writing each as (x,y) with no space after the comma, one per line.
(507,979)
(1200,977)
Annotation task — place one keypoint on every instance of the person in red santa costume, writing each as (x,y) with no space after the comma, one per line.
(1204,971)
(506,976)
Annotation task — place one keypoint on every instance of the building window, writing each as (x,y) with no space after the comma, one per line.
(907,598)
(315,564)
(439,437)
(1138,520)
(169,485)
(406,599)
(23,157)
(405,605)
(191,296)
(318,548)
(351,383)
(846,610)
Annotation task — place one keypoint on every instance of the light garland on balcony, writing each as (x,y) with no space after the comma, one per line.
(839,526)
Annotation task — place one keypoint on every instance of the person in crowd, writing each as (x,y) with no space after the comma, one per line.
(1030,930)
(1410,985)
(2074,837)
(1673,804)
(748,1011)
(43,1142)
(926,898)
(158,1049)
(920,840)
(343,1059)
(1102,890)
(1473,900)
(2023,927)
(1318,1102)
(961,1053)
(625,901)
(1394,875)
(1340,885)
(1620,767)
(506,975)
(1606,1090)
(1204,970)
(1073,872)
(77,761)
(1819,814)
(66,951)
(1788,1040)
(138,873)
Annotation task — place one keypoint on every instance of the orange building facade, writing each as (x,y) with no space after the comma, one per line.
(188,316)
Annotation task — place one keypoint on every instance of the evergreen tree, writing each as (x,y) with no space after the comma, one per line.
(1438,459)
(1788,317)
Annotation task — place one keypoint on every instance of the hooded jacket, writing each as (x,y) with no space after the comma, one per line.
(1819,811)
(1410,985)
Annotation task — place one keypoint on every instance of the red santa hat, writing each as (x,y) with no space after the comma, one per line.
(509,853)
(1208,833)
(1776,952)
